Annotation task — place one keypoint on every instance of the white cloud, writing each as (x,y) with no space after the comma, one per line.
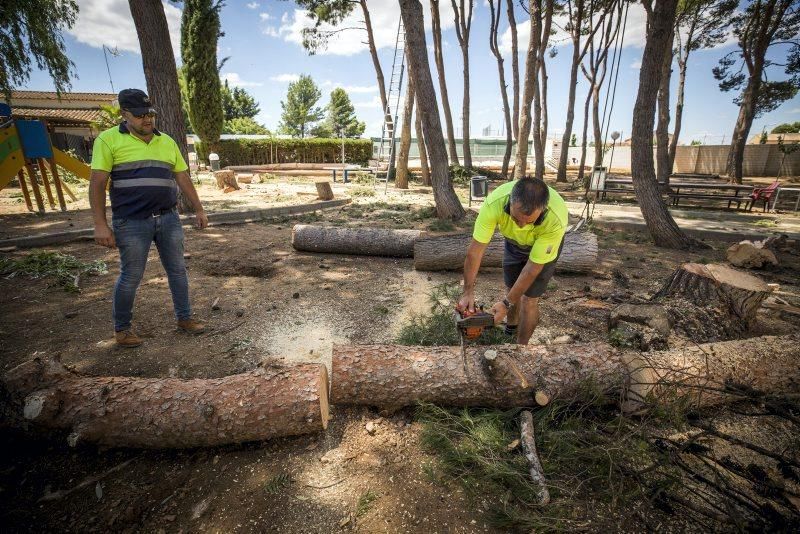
(253,5)
(265,16)
(234,80)
(271,31)
(109,22)
(635,32)
(384,15)
(636,64)
(285,78)
(375,103)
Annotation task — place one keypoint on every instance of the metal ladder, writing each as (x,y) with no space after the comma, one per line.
(387,146)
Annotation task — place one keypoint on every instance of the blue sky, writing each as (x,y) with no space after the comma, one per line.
(262,40)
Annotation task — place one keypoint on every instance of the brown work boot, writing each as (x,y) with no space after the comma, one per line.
(191,326)
(127,339)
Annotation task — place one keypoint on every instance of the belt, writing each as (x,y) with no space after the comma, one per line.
(159,213)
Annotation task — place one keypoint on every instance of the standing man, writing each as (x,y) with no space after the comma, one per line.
(146,168)
(533,219)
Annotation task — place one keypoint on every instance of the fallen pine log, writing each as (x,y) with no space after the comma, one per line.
(170,412)
(392,376)
(447,252)
(358,241)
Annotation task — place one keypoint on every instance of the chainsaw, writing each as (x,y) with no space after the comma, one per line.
(470,325)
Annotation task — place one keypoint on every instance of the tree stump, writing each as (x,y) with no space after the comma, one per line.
(447,252)
(359,241)
(169,412)
(739,293)
(244,178)
(226,179)
(392,376)
(324,191)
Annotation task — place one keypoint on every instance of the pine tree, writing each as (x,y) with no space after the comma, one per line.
(200,30)
(238,103)
(300,110)
(342,118)
(30,31)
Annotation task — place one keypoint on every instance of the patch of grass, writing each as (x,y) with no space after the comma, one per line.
(365,502)
(362,191)
(766,223)
(618,338)
(441,225)
(437,327)
(552,286)
(66,269)
(588,453)
(277,483)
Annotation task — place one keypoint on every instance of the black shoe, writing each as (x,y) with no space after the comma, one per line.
(510,330)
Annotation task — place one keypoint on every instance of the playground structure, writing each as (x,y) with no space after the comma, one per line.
(26,148)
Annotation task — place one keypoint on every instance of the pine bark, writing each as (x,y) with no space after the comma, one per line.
(679,104)
(448,205)
(531,87)
(425,171)
(512,23)
(401,171)
(161,75)
(159,413)
(463,24)
(663,165)
(357,241)
(573,86)
(527,437)
(391,376)
(436,32)
(660,224)
(447,252)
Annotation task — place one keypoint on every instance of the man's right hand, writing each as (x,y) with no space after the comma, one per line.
(466,302)
(104,236)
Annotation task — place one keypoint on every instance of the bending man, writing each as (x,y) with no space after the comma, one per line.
(533,219)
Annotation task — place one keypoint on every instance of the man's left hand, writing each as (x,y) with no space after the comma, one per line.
(200,220)
(499,311)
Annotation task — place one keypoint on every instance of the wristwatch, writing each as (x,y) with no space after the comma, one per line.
(506,303)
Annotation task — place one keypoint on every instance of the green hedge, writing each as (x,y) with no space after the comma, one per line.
(265,151)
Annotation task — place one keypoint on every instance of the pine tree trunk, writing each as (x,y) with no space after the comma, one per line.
(447,252)
(465,139)
(401,172)
(373,52)
(598,134)
(659,222)
(392,376)
(512,23)
(357,241)
(161,75)
(567,137)
(663,167)
(438,58)
(744,122)
(530,89)
(160,413)
(543,130)
(673,145)
(495,23)
(448,205)
(585,138)
(425,171)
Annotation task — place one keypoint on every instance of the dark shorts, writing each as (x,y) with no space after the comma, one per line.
(514,259)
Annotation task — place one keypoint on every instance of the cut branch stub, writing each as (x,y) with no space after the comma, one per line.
(739,292)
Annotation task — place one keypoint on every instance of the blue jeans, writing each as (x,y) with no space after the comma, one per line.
(133,237)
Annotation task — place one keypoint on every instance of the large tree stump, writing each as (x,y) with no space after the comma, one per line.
(359,241)
(170,412)
(226,179)
(391,376)
(324,191)
(447,252)
(739,293)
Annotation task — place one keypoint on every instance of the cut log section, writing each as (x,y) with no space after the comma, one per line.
(704,285)
(324,191)
(447,252)
(226,179)
(358,241)
(170,412)
(391,376)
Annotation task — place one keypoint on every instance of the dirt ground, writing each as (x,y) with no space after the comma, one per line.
(274,302)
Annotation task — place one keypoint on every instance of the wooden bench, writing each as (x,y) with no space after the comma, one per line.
(675,198)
